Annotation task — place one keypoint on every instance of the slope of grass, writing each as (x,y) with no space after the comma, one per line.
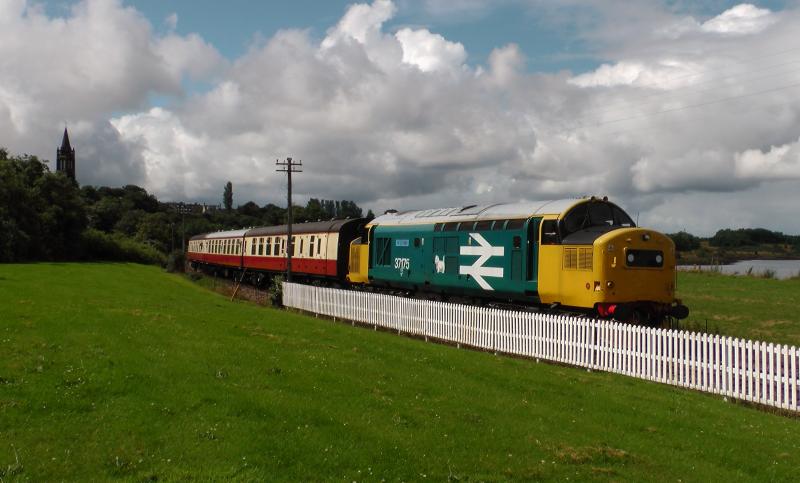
(111,371)
(748,307)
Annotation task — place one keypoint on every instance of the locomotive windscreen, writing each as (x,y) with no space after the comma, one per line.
(588,221)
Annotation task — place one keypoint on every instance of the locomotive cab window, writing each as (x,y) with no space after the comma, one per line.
(550,232)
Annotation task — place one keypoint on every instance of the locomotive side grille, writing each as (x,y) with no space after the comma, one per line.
(584,259)
(578,258)
(570,258)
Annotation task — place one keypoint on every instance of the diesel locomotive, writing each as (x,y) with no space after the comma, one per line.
(579,255)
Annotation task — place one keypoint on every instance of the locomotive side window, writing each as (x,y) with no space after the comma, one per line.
(450,226)
(483,225)
(515,224)
(499,225)
(466,226)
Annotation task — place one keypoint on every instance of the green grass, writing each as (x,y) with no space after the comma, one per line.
(748,307)
(124,372)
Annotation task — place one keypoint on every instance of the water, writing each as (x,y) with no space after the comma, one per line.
(783,268)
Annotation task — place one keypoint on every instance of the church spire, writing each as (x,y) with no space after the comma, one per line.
(65,157)
(65,146)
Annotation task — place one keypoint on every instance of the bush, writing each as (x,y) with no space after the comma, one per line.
(117,247)
(176,261)
(275,291)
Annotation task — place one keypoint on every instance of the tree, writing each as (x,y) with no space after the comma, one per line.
(41,213)
(684,241)
(227,196)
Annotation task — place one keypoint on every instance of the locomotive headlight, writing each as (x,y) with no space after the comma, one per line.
(659,259)
(630,258)
(610,284)
(610,247)
(646,237)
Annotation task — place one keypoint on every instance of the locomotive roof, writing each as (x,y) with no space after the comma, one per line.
(297,229)
(479,212)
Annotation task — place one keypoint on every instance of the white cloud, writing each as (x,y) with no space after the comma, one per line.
(430,52)
(741,19)
(778,163)
(171,21)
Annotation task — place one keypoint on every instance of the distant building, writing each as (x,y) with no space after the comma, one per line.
(65,158)
(192,208)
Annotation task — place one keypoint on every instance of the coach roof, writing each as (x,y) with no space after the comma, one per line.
(332,226)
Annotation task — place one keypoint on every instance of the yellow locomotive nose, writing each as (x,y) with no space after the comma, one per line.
(640,264)
(637,271)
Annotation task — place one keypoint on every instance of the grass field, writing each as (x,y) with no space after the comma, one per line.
(749,307)
(124,372)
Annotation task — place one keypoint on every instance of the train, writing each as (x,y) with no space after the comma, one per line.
(583,255)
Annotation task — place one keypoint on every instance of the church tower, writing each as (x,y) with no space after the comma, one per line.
(65,158)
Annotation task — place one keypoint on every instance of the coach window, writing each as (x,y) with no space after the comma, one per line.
(267,245)
(319,246)
(311,246)
(301,246)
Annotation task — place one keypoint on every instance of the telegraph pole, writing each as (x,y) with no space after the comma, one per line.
(289,167)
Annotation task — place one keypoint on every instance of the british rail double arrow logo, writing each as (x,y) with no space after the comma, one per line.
(484,251)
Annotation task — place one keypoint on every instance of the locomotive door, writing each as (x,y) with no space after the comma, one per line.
(532,250)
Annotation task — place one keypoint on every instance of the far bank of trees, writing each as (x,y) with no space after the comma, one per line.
(732,239)
(46,216)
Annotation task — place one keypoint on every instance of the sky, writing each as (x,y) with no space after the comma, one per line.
(687,114)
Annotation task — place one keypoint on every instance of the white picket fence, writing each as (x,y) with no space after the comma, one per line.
(755,371)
